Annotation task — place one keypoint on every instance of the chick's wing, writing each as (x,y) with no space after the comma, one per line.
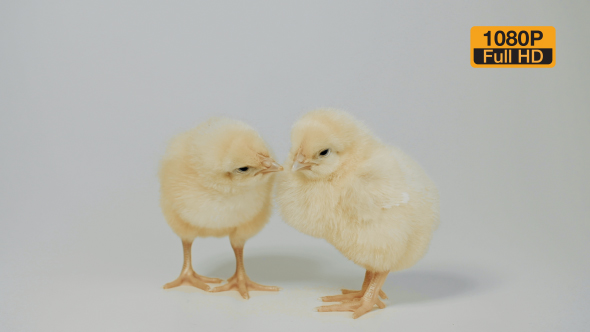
(378,186)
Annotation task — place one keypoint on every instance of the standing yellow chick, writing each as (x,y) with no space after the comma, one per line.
(216,180)
(371,201)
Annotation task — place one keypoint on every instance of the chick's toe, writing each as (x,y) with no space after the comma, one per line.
(243,285)
(191,278)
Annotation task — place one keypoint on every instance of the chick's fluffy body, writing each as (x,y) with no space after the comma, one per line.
(201,194)
(372,202)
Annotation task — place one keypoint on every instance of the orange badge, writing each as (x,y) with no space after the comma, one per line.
(513,47)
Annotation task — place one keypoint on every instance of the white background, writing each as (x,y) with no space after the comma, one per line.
(91,91)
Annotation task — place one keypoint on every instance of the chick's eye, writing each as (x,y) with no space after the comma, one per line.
(243,169)
(325,152)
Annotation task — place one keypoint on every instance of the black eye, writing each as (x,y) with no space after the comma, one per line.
(325,152)
(243,169)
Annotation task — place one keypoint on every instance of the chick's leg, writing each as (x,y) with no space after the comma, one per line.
(240,280)
(188,276)
(353,295)
(366,302)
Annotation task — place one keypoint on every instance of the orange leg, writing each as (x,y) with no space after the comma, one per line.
(187,275)
(353,295)
(240,280)
(366,302)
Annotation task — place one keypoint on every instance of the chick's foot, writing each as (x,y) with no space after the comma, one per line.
(352,295)
(191,278)
(240,280)
(242,283)
(187,275)
(360,302)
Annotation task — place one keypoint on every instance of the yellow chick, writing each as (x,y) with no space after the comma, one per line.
(369,200)
(217,180)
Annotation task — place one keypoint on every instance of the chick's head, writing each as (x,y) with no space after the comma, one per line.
(231,153)
(325,141)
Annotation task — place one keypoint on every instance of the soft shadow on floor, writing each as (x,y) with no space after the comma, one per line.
(276,268)
(409,286)
(417,285)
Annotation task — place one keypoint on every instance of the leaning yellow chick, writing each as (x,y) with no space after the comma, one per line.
(370,200)
(216,180)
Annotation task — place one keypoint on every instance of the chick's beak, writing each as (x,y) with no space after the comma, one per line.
(271,166)
(300,163)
